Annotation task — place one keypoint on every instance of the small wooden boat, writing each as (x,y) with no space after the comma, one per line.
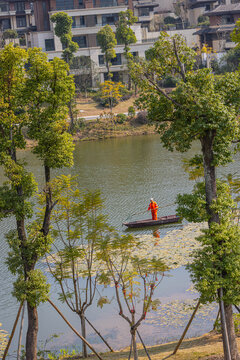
(160,221)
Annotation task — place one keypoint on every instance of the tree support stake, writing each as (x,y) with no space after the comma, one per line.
(20,333)
(185,331)
(143,345)
(13,331)
(74,330)
(98,333)
(224,325)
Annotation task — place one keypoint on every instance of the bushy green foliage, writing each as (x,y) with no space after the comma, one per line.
(216,264)
(170,20)
(200,96)
(131,112)
(63,29)
(124,34)
(121,118)
(203,106)
(203,20)
(33,97)
(228,63)
(107,42)
(10,34)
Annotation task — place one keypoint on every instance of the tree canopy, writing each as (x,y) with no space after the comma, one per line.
(63,29)
(107,42)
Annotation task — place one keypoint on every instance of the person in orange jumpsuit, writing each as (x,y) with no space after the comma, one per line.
(153,207)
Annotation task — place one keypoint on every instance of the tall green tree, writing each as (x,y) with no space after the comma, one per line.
(202,107)
(125,35)
(63,29)
(33,96)
(107,42)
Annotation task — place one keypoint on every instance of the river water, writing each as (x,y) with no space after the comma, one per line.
(128,171)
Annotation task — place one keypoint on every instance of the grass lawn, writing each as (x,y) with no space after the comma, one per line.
(208,346)
(88,107)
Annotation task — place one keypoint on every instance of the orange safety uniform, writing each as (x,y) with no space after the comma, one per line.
(153,207)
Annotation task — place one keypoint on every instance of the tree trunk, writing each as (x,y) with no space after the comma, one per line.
(31,338)
(209,174)
(231,332)
(134,344)
(71,115)
(83,328)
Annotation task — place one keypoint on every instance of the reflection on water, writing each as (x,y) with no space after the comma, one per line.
(128,171)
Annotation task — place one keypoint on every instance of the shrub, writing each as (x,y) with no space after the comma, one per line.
(170,20)
(125,94)
(141,118)
(203,20)
(131,111)
(121,118)
(78,126)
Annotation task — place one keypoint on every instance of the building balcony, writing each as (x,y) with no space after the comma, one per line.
(229,45)
(145,18)
(93,11)
(4,13)
(89,30)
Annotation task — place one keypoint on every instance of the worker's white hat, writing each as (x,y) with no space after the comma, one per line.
(151,199)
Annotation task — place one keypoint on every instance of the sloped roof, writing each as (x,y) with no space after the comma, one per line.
(215,29)
(224,9)
(196,3)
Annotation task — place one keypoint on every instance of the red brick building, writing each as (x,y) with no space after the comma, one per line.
(222,22)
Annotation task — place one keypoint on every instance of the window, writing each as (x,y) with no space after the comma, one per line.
(80,3)
(227,19)
(64,4)
(5,24)
(207,8)
(105,3)
(49,45)
(81,41)
(101,59)
(3,6)
(144,12)
(82,21)
(19,6)
(115,76)
(109,19)
(45,16)
(117,60)
(21,21)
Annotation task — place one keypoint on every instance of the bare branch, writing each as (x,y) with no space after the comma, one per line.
(180,64)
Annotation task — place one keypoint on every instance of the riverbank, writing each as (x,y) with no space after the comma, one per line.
(106,129)
(98,123)
(206,347)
